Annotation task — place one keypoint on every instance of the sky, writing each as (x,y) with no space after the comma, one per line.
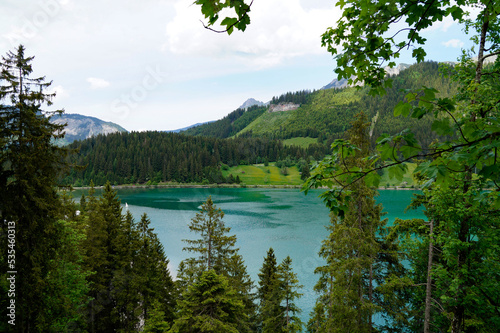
(150,64)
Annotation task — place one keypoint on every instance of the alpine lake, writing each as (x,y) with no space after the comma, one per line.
(287,220)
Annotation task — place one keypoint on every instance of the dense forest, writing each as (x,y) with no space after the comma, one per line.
(142,157)
(230,125)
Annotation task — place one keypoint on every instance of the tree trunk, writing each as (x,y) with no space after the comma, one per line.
(428,291)
(370,296)
(459,308)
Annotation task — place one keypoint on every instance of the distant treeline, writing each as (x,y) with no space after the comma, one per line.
(298,97)
(230,125)
(140,157)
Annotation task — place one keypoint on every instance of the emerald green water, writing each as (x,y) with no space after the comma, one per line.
(287,220)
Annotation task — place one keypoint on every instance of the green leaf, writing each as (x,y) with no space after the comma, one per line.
(229,21)
(372,179)
(442,127)
(397,171)
(489,171)
(402,108)
(446,104)
(419,112)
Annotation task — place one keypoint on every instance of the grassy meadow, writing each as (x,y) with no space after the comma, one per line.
(259,174)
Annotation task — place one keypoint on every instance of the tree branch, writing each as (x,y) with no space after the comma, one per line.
(231,25)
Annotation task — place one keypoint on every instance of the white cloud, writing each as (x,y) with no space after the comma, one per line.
(279,30)
(441,26)
(455,43)
(60,92)
(97,83)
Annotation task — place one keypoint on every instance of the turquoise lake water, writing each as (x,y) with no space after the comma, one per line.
(287,220)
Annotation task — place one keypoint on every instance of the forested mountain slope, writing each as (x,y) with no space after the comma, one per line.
(230,124)
(326,114)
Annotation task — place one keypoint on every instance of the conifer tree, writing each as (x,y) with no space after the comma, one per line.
(290,286)
(129,269)
(209,305)
(66,294)
(239,279)
(154,282)
(305,171)
(30,164)
(125,282)
(271,313)
(156,322)
(346,283)
(452,265)
(217,251)
(104,217)
(214,247)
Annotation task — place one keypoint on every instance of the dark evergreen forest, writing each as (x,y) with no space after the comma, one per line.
(140,157)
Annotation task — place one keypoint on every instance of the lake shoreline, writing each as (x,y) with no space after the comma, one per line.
(397,188)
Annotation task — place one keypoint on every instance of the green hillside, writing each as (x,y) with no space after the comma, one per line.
(268,123)
(229,125)
(264,175)
(324,115)
(301,142)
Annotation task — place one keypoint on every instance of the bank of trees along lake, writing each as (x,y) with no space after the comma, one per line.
(101,271)
(125,158)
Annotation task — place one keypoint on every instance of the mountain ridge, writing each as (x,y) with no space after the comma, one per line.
(325,114)
(80,127)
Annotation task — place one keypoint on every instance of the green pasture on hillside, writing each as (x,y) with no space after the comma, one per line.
(259,174)
(301,142)
(268,122)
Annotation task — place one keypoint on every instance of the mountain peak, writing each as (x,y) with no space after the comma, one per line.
(251,102)
(343,83)
(79,127)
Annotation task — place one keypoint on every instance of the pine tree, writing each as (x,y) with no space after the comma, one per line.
(129,269)
(305,172)
(103,220)
(156,322)
(290,286)
(346,283)
(154,282)
(239,279)
(209,305)
(30,164)
(460,242)
(217,251)
(66,294)
(271,313)
(214,247)
(126,284)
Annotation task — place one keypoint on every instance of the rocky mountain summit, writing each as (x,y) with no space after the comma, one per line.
(251,102)
(283,107)
(81,127)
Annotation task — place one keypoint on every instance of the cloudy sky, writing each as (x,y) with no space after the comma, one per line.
(150,64)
